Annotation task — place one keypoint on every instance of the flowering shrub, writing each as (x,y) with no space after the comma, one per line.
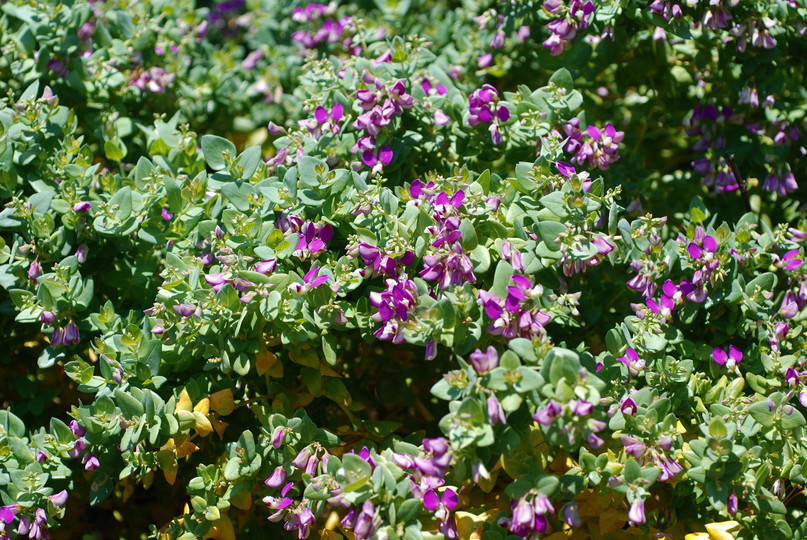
(403,270)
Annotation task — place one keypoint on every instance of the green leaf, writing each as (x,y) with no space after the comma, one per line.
(501,278)
(765,282)
(113,151)
(217,151)
(563,79)
(11,424)
(761,412)
(468,239)
(129,406)
(791,418)
(632,471)
(549,231)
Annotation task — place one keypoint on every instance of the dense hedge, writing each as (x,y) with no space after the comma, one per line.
(403,269)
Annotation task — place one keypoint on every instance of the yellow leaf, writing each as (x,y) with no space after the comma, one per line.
(169,445)
(264,361)
(720,530)
(242,500)
(680,427)
(222,529)
(697,536)
(203,406)
(171,473)
(220,426)
(148,479)
(203,425)
(184,402)
(327,370)
(470,525)
(186,449)
(222,402)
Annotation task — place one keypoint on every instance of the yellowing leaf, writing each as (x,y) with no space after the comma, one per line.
(186,449)
(720,530)
(203,406)
(222,402)
(220,426)
(203,425)
(697,536)
(184,402)
(242,500)
(470,525)
(148,479)
(264,361)
(222,529)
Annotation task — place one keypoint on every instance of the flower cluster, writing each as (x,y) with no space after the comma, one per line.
(519,313)
(572,18)
(484,108)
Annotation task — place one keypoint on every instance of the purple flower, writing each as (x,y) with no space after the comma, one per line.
(394,306)
(277,478)
(9,513)
(58,499)
(166,215)
(90,462)
(791,377)
(495,411)
(442,508)
(485,362)
(632,361)
(628,407)
(636,512)
(81,254)
(185,310)
(571,515)
(732,504)
(47,317)
(34,270)
(77,429)
(279,436)
(81,206)
(546,415)
(729,360)
(310,281)
(441,118)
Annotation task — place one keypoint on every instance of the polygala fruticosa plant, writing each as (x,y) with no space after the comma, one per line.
(410,269)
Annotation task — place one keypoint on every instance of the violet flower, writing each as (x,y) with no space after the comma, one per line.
(485,362)
(731,359)
(636,514)
(82,207)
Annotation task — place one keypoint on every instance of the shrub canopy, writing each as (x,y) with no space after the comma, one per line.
(403,269)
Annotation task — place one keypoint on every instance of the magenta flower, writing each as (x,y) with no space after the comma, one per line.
(729,360)
(791,260)
(628,407)
(277,478)
(442,508)
(90,462)
(34,270)
(732,504)
(82,207)
(166,215)
(310,281)
(266,267)
(394,305)
(547,415)
(485,362)
(441,118)
(636,514)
